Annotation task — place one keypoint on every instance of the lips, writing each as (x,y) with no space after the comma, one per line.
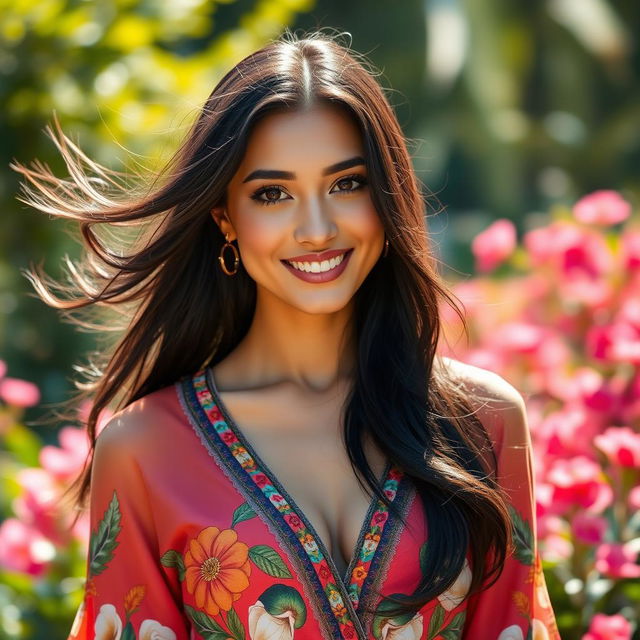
(317,257)
(318,277)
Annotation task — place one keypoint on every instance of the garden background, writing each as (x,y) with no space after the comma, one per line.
(524,125)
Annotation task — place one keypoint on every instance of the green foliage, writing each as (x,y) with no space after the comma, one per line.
(119,74)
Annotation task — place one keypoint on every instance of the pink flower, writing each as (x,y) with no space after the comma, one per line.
(3,368)
(630,249)
(578,481)
(618,560)
(630,400)
(36,506)
(65,462)
(621,446)
(494,245)
(485,359)
(602,207)
(589,528)
(618,342)
(568,431)
(554,533)
(634,498)
(23,548)
(520,337)
(608,628)
(573,251)
(19,393)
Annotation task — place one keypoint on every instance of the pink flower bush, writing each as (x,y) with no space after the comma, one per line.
(579,482)
(621,445)
(19,393)
(65,462)
(37,531)
(608,628)
(494,244)
(562,324)
(618,560)
(588,528)
(24,548)
(602,207)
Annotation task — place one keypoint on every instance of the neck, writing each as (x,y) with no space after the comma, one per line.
(283,344)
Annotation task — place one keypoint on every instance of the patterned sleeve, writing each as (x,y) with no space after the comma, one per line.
(516,606)
(127,594)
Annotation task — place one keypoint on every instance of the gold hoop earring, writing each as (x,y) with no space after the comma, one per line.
(236,257)
(386,248)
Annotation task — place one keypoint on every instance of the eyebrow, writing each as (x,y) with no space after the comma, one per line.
(275,174)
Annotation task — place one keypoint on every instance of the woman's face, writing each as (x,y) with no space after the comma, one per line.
(300,208)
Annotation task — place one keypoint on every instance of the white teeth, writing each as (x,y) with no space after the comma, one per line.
(318,267)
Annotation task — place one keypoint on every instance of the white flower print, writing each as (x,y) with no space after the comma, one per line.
(108,625)
(411,630)
(264,626)
(539,630)
(455,594)
(153,630)
(514,632)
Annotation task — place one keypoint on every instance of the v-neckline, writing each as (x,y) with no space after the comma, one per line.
(268,472)
(338,604)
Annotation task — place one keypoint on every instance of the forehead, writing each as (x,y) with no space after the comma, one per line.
(320,135)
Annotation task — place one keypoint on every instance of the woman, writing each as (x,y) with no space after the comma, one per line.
(286,429)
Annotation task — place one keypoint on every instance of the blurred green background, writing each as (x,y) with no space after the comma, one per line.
(508,107)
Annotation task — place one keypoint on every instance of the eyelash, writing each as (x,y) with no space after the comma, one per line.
(360,179)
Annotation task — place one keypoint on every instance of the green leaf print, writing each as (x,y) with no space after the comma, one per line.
(242,513)
(435,624)
(172,558)
(235,626)
(382,615)
(454,629)
(522,538)
(267,559)
(102,542)
(128,633)
(530,633)
(206,626)
(423,559)
(279,598)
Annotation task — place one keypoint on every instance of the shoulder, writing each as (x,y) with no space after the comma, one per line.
(130,430)
(497,403)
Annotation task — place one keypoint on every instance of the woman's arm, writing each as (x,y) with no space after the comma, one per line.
(127,593)
(517,606)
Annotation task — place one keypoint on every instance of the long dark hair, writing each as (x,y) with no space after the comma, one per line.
(178,313)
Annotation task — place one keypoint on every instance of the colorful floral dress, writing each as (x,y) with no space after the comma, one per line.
(193,537)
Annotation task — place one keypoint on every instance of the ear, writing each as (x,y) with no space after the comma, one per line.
(221,218)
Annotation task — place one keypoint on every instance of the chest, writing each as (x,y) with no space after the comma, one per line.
(302,447)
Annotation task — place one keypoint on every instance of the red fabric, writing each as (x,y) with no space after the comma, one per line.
(193,538)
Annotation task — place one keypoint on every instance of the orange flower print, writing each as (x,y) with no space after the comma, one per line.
(359,574)
(217,569)
(134,598)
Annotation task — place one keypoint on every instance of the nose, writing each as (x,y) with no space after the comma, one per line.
(315,225)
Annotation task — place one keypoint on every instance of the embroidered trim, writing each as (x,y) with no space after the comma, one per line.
(298,528)
(254,496)
(369,544)
(389,540)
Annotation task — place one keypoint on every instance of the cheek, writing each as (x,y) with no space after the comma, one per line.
(365,223)
(258,234)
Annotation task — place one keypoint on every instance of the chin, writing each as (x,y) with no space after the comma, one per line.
(319,307)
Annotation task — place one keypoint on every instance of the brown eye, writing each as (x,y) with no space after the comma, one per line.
(347,184)
(271,195)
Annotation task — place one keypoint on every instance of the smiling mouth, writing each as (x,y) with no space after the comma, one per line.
(318,266)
